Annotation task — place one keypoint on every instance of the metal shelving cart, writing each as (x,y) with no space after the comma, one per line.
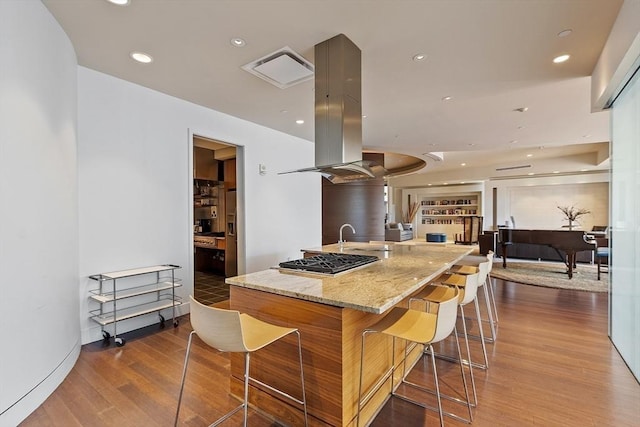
(162,292)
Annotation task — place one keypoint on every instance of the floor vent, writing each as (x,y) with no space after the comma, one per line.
(282,68)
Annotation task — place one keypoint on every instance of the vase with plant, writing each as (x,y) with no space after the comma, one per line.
(410,214)
(572,213)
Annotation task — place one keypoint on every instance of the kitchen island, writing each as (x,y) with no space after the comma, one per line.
(331,312)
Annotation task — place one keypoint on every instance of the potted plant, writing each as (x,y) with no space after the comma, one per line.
(572,213)
(409,215)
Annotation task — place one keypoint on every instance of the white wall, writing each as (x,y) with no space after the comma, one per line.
(619,57)
(533,201)
(38,208)
(135,185)
(538,207)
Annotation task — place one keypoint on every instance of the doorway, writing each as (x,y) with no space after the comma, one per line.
(215,251)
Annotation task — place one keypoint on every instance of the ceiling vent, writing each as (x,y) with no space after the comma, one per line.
(437,156)
(508,168)
(283,68)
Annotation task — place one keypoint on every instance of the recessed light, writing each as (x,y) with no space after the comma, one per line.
(583,170)
(471,144)
(520,127)
(530,173)
(428,185)
(521,109)
(586,136)
(300,122)
(142,57)
(462,182)
(419,57)
(556,171)
(284,111)
(561,58)
(513,141)
(463,164)
(565,33)
(445,183)
(237,42)
(529,155)
(446,98)
(119,2)
(364,116)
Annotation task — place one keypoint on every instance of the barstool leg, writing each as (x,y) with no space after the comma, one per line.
(304,396)
(484,347)
(435,376)
(493,298)
(466,341)
(360,386)
(490,314)
(464,379)
(184,376)
(247,357)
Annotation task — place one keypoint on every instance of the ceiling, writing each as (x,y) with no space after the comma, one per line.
(491,57)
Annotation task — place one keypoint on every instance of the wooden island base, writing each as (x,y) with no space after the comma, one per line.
(331,341)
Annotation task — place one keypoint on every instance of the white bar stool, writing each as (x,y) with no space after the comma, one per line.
(235,332)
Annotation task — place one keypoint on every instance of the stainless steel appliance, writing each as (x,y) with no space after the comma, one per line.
(329,263)
(231,236)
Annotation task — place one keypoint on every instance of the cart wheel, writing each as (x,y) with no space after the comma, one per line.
(106,336)
(120,342)
(162,319)
(175,323)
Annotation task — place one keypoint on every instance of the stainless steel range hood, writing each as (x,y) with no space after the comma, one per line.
(338,114)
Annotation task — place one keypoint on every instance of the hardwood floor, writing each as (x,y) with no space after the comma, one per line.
(552,365)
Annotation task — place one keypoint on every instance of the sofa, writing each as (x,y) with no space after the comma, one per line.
(397,233)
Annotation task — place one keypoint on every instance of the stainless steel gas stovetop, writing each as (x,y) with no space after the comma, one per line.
(329,263)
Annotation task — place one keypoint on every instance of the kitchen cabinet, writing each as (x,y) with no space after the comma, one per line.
(210,260)
(230,174)
(208,205)
(205,165)
(136,292)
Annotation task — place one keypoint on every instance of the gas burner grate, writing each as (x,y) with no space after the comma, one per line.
(329,263)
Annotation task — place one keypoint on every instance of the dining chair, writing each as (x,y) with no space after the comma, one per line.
(235,332)
(422,328)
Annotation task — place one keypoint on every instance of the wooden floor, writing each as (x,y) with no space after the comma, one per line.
(552,365)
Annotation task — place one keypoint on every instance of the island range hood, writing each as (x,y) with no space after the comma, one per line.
(338,114)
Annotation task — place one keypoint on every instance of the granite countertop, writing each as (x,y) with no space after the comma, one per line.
(375,288)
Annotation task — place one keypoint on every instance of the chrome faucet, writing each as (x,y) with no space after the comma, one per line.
(340,242)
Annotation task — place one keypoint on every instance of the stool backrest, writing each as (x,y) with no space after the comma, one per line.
(490,259)
(483,271)
(447,315)
(217,327)
(470,288)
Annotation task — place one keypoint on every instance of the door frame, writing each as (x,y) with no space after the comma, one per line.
(240,195)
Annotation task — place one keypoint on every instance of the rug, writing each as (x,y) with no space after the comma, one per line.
(551,275)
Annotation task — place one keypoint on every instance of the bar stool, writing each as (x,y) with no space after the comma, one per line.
(232,331)
(468,287)
(470,265)
(420,327)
